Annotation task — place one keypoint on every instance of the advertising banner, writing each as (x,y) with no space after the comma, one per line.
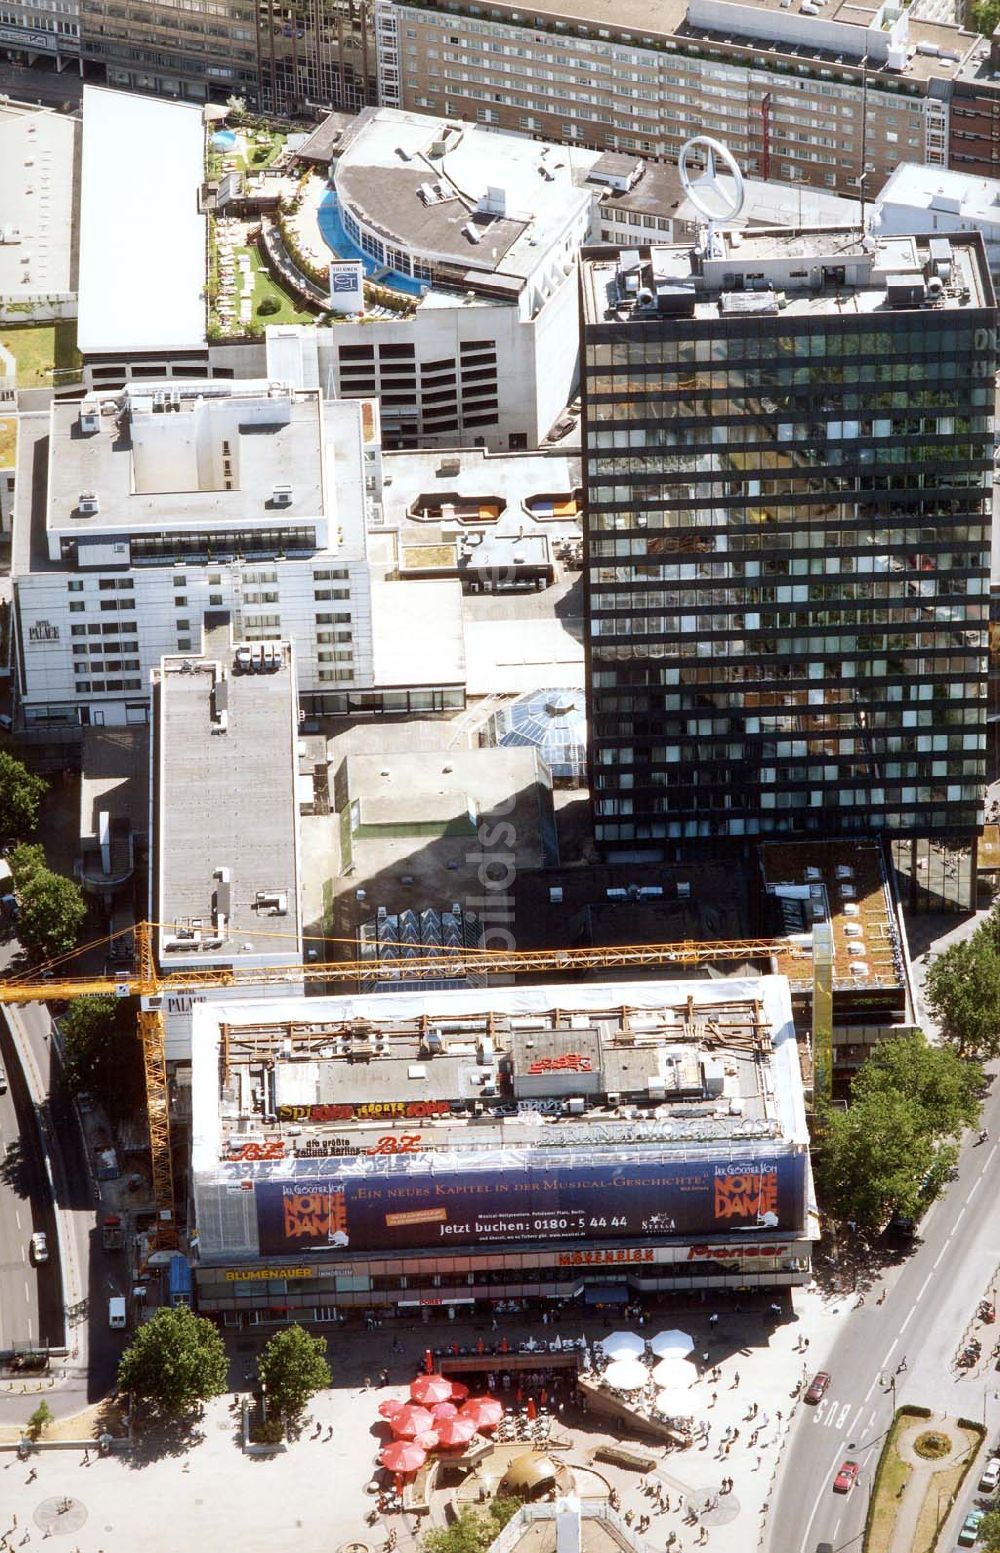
(533,1203)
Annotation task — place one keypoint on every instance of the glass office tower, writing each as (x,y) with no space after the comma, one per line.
(788,460)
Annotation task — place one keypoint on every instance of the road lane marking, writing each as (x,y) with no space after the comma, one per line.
(909,1317)
(27,1295)
(17,1215)
(888,1352)
(871,1420)
(976,1185)
(857,1417)
(923,1286)
(958,1216)
(940,1254)
(871,1388)
(806,1546)
(836,1528)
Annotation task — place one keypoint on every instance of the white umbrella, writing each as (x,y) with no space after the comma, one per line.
(623,1345)
(671,1345)
(676,1404)
(675,1373)
(626,1375)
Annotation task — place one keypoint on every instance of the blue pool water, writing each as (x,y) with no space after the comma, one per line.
(334,235)
(224,139)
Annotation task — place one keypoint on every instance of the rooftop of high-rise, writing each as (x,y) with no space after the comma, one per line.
(780,271)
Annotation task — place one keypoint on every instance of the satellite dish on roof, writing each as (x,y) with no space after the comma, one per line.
(711,193)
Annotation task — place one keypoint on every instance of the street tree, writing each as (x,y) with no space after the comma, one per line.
(21,793)
(51,911)
(292,1369)
(102,1055)
(989,1532)
(175,1361)
(473,1530)
(871,1160)
(985,16)
(940,1086)
(962,990)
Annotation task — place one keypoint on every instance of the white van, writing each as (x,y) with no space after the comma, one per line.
(117,1316)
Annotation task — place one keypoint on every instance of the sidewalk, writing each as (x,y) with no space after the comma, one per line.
(313,1495)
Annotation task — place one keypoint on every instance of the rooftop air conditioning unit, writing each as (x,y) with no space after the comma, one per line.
(90,419)
(89,503)
(282,496)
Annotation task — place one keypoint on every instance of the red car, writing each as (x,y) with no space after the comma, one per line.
(818,1387)
(846,1477)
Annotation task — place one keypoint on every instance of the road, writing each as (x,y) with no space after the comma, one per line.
(930,1299)
(89,1370)
(24,1207)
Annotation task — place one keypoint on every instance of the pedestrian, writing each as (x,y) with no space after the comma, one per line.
(666,1501)
(759,1460)
(713,1320)
(715,1398)
(736,1380)
(805,1342)
(777,1416)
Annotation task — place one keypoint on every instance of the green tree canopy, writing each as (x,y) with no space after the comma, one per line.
(989,1532)
(984,16)
(940,1086)
(891,1150)
(962,990)
(293,1368)
(21,793)
(102,1054)
(473,1530)
(175,1361)
(51,910)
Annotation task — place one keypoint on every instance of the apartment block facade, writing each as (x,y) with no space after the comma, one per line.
(809,99)
(285,58)
(788,463)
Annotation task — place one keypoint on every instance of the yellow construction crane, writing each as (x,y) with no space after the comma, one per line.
(46,984)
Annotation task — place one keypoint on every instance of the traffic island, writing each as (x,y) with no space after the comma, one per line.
(924,1462)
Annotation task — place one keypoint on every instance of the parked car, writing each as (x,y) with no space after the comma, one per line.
(818,1387)
(846,1477)
(991,1476)
(970,1528)
(39,1246)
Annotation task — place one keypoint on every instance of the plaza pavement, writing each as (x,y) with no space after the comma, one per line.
(211,1496)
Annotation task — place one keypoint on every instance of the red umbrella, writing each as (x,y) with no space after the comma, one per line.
(411,1421)
(402,1456)
(428,1389)
(532,1409)
(428,1360)
(485,1412)
(456,1431)
(459,1391)
(389,1407)
(429,1440)
(443,1410)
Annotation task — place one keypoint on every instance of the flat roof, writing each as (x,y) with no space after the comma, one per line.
(418,631)
(660,192)
(114,777)
(440,787)
(38,200)
(157,457)
(751,1089)
(797,262)
(853,890)
(142,237)
(459,192)
(941,191)
(227,800)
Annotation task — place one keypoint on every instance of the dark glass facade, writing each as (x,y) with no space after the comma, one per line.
(787,568)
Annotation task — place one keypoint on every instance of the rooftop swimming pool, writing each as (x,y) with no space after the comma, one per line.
(335,236)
